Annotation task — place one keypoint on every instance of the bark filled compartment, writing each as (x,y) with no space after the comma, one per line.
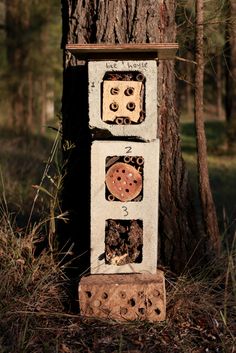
(123,242)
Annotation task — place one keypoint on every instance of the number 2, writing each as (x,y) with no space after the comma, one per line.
(128,149)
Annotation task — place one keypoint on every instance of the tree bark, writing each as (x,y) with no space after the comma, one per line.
(230,71)
(219,86)
(207,203)
(189,97)
(129,21)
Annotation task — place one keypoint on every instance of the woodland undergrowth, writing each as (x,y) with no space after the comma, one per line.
(34,314)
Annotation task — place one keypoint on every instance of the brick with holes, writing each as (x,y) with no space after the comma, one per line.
(124,297)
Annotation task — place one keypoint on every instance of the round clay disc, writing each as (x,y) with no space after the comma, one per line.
(123,181)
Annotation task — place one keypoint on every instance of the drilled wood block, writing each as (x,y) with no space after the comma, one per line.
(124,297)
(123,98)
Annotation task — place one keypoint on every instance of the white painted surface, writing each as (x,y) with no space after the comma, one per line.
(146,210)
(147,130)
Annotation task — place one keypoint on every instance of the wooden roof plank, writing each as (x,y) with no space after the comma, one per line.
(105,51)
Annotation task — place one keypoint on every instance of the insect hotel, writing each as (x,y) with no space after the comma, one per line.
(124,283)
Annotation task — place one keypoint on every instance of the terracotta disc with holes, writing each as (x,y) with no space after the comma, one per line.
(123,181)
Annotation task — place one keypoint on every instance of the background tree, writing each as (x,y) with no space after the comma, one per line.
(127,22)
(230,70)
(207,202)
(33,61)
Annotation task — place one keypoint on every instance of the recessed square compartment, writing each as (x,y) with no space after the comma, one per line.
(123,241)
(123,98)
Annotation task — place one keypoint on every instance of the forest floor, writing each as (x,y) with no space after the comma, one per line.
(201,309)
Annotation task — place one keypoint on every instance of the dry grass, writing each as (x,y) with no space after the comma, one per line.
(201,308)
(201,312)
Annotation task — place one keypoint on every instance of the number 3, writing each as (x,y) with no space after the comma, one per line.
(125,211)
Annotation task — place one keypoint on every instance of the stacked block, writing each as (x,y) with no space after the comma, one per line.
(124,297)
(123,98)
(109,209)
(124,283)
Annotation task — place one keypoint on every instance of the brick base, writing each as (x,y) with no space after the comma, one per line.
(124,296)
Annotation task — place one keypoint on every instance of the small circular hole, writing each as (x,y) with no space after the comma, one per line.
(123,311)
(140,77)
(127,190)
(114,106)
(131,302)
(129,91)
(157,311)
(114,90)
(141,311)
(130,106)
(119,178)
(127,121)
(135,181)
(122,294)
(89,294)
(104,295)
(123,171)
(119,121)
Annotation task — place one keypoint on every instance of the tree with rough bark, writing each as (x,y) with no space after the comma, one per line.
(207,203)
(125,21)
(230,71)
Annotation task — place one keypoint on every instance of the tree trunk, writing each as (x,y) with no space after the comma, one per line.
(189,97)
(43,114)
(127,21)
(30,102)
(219,86)
(207,203)
(230,74)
